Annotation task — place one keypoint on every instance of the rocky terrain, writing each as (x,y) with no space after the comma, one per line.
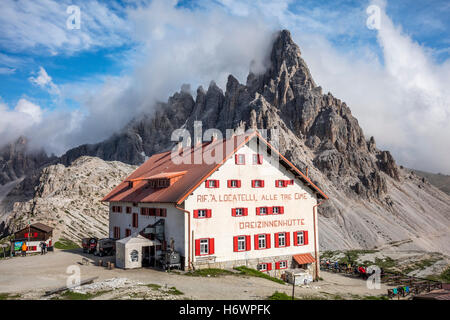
(441,181)
(372,200)
(66,198)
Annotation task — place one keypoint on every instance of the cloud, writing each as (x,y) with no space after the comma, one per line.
(44,81)
(40,26)
(19,120)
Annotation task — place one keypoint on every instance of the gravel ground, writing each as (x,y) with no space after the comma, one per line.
(29,277)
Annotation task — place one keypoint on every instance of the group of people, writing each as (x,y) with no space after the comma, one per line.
(348,268)
(42,245)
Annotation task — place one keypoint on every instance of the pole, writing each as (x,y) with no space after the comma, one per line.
(293,286)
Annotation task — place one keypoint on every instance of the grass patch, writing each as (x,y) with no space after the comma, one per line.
(66,244)
(280,296)
(445,275)
(255,273)
(351,256)
(420,265)
(4,296)
(210,272)
(153,286)
(175,291)
(71,295)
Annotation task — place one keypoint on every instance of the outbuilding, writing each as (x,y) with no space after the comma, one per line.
(224,203)
(130,251)
(32,236)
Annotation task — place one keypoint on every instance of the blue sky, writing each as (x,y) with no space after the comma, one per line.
(54,73)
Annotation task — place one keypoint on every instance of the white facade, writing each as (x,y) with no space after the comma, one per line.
(296,199)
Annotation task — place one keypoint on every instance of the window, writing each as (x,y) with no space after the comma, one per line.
(239,212)
(300,238)
(262,241)
(163,212)
(135,220)
(117,209)
(277,210)
(283,183)
(128,210)
(257,183)
(264,267)
(116,233)
(281,264)
(202,213)
(234,183)
(204,246)
(282,239)
(212,183)
(240,158)
(261,211)
(257,159)
(241,243)
(127,232)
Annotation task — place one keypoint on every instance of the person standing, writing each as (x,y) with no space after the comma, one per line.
(44,247)
(24,249)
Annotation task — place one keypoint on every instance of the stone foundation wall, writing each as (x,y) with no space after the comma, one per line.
(253,263)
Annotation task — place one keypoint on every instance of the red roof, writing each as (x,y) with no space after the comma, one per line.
(304,258)
(189,175)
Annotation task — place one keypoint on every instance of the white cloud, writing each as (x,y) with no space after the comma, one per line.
(18,121)
(44,81)
(40,25)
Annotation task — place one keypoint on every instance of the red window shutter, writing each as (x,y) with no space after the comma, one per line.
(217,183)
(288,239)
(211,245)
(208,213)
(257,211)
(269,266)
(207,184)
(236,158)
(294,234)
(233,212)
(197,247)
(260,158)
(291,181)
(277,265)
(268,240)
(142,211)
(256,242)
(262,183)
(229,183)
(158,212)
(164,212)
(248,243)
(35,234)
(245,211)
(26,235)
(277,243)
(253,183)
(195,213)
(305,237)
(281,210)
(239,183)
(235,244)
(135,220)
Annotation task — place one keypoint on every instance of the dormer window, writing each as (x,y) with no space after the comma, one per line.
(240,158)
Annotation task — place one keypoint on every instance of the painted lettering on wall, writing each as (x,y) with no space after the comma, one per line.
(271,224)
(250,197)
